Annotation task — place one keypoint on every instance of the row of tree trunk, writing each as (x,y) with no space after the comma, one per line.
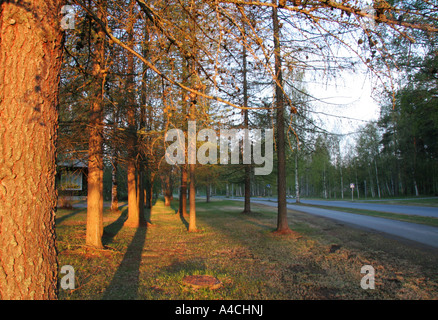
(29,261)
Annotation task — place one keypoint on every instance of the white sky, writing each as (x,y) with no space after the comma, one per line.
(349,96)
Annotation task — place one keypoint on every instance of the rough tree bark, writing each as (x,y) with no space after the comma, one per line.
(30,62)
(166,180)
(115,163)
(377,178)
(114,183)
(297,180)
(282,224)
(133,209)
(184,171)
(192,186)
(95,144)
(140,194)
(183,191)
(247,179)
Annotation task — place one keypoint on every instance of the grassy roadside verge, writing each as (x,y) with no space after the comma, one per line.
(430,221)
(426,201)
(321,260)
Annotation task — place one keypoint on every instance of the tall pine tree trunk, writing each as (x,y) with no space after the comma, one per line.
(95,178)
(115,164)
(377,178)
(147,188)
(95,144)
(192,199)
(340,171)
(207,192)
(371,181)
(133,209)
(143,125)
(184,167)
(183,191)
(30,62)
(247,178)
(148,171)
(150,189)
(297,181)
(167,187)
(140,194)
(282,224)
(114,183)
(192,186)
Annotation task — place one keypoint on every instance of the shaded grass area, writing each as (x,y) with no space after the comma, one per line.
(430,221)
(427,202)
(320,260)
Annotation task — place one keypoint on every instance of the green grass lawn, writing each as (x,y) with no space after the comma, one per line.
(322,259)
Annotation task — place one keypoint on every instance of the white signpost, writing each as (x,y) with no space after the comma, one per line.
(352,189)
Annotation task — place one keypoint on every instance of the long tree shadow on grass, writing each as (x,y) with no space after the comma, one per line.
(69,215)
(174,205)
(126,280)
(111,230)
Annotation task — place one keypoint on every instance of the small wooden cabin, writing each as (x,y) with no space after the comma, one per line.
(71,178)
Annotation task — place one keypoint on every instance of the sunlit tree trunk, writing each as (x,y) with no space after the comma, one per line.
(167,187)
(247,178)
(184,167)
(183,191)
(30,62)
(115,164)
(149,174)
(192,186)
(282,224)
(192,199)
(143,125)
(114,183)
(95,145)
(133,209)
(140,193)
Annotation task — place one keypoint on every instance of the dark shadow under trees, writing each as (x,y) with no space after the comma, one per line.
(126,280)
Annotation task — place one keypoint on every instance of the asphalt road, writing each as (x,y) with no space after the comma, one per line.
(416,232)
(401,209)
